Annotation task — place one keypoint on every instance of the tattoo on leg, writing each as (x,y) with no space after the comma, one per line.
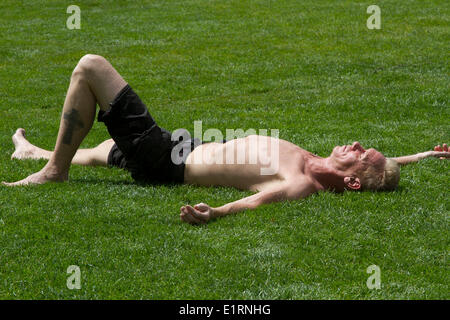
(73,122)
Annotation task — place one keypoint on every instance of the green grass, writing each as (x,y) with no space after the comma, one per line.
(308,68)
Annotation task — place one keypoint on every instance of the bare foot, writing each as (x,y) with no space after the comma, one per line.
(24,149)
(41,177)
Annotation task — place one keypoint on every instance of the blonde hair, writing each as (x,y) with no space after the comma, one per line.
(372,179)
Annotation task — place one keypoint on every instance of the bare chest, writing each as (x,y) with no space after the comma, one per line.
(251,163)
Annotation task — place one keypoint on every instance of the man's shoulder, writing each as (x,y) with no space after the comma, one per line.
(299,186)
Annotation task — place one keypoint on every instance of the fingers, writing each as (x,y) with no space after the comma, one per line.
(196,214)
(187,215)
(444,148)
(201,207)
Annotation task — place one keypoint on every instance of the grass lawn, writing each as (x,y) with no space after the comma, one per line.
(311,69)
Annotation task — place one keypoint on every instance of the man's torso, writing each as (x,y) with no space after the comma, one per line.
(252,163)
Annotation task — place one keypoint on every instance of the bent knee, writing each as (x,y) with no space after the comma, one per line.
(89,64)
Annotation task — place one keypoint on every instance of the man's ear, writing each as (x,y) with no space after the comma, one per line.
(352,183)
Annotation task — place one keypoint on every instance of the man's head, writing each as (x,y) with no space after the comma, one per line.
(365,169)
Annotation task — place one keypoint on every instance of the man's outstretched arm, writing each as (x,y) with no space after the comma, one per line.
(202,213)
(439,152)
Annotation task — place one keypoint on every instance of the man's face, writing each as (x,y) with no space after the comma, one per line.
(354,157)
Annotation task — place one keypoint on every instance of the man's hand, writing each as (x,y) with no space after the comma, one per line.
(200,213)
(441,152)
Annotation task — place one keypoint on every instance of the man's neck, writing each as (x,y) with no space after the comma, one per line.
(323,173)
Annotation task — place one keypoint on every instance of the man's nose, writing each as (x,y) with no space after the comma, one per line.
(357,146)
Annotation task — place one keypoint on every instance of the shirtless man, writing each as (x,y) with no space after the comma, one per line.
(140,146)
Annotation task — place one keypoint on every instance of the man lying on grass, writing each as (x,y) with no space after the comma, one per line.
(145,149)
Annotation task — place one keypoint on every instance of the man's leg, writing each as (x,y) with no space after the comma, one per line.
(97,156)
(94,81)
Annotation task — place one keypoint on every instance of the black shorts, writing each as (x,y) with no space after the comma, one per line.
(141,146)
